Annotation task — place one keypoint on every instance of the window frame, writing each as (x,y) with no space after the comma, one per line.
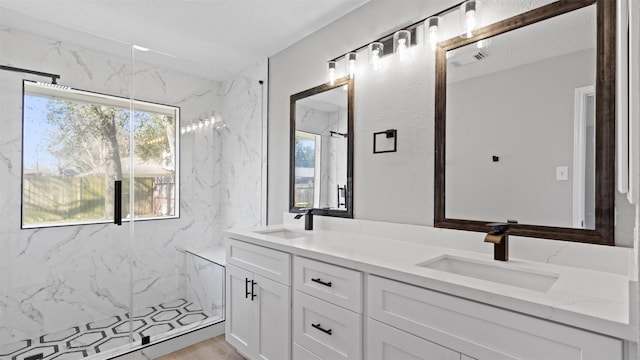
(112,100)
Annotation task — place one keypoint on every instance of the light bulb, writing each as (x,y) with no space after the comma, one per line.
(332,72)
(401,43)
(402,49)
(431,24)
(469,17)
(183,130)
(351,58)
(376,59)
(470,22)
(200,125)
(433,37)
(376,50)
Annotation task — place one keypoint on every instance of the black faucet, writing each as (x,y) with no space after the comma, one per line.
(308,218)
(500,239)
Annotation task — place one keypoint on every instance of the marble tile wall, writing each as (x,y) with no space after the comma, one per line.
(242,190)
(54,278)
(205,285)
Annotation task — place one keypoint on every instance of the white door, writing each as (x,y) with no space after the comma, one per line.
(240,321)
(272,319)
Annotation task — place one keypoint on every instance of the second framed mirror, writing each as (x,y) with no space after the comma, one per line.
(321,150)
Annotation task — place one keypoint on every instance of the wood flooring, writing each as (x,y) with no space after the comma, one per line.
(212,349)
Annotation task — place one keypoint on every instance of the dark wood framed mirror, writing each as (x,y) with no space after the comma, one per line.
(525,124)
(321,150)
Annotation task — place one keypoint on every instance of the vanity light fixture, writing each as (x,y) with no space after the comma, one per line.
(401,40)
(376,50)
(431,29)
(351,64)
(401,43)
(332,72)
(469,17)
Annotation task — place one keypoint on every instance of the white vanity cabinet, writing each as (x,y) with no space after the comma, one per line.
(258,298)
(471,329)
(283,306)
(327,311)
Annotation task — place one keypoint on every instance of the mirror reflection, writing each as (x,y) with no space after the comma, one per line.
(520,125)
(321,149)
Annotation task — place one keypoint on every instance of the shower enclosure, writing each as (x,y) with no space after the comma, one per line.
(73,283)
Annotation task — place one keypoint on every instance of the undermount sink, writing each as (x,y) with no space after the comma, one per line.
(499,273)
(282,233)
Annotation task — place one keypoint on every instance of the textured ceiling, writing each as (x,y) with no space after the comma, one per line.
(225,36)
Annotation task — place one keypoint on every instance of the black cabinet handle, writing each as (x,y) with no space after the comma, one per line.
(328,284)
(253,295)
(246,288)
(319,327)
(117,202)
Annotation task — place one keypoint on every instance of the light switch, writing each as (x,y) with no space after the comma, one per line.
(562,173)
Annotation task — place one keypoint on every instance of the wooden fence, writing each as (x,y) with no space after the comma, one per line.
(48,199)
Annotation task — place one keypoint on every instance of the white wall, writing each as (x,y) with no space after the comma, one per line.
(394,187)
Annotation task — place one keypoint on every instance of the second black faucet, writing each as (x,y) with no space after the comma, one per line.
(308,218)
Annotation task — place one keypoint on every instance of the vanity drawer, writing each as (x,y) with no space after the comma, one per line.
(272,264)
(332,283)
(326,330)
(300,353)
(387,343)
(481,331)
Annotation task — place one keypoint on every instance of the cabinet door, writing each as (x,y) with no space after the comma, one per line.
(272,319)
(239,323)
(388,343)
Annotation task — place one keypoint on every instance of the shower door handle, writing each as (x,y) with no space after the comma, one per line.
(117,202)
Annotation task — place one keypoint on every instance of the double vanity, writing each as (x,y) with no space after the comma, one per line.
(356,289)
(339,292)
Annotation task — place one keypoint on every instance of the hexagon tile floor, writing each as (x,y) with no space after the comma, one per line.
(92,338)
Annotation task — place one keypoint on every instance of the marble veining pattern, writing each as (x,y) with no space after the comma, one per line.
(205,285)
(57,278)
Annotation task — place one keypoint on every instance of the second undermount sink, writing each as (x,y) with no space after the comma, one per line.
(501,273)
(282,233)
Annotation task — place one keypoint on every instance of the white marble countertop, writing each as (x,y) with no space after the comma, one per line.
(593,300)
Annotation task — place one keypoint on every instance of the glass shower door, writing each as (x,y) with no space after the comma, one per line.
(65,277)
(174,177)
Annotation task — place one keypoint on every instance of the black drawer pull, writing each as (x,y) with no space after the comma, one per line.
(246,288)
(321,282)
(253,295)
(319,327)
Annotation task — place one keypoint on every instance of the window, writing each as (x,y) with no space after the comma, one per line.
(307,158)
(77,143)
